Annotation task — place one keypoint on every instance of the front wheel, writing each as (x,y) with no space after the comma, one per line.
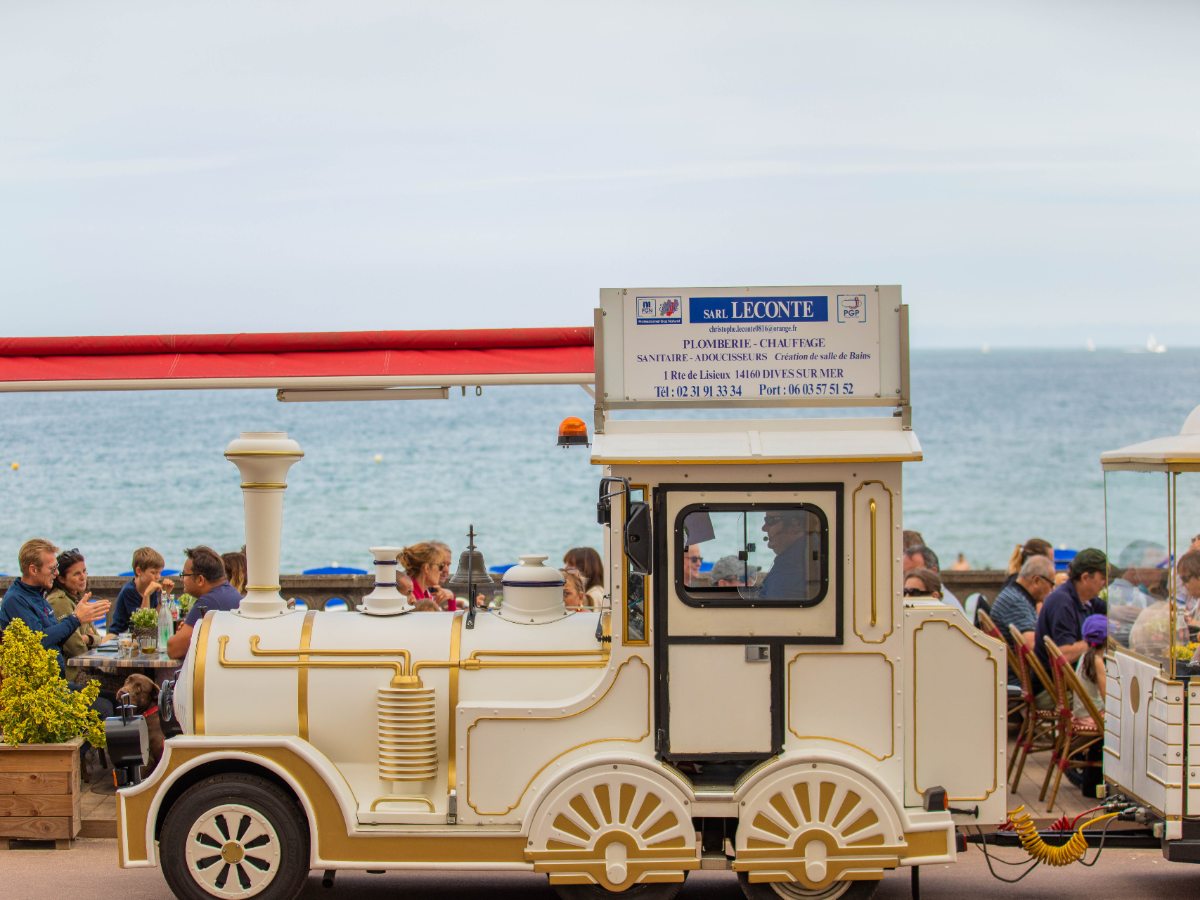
(235,836)
(775,890)
(664,891)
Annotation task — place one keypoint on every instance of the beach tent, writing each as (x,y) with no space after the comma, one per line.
(331,365)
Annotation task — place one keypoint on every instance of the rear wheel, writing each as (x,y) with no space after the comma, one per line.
(839,890)
(235,836)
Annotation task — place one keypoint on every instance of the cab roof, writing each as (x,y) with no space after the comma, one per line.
(751,442)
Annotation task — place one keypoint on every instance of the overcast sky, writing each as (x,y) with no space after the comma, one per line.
(1029,172)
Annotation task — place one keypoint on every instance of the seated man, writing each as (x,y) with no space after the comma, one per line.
(204,578)
(787,537)
(1017,603)
(729,571)
(1069,604)
(25,599)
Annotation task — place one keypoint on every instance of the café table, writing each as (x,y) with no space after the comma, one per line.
(113,670)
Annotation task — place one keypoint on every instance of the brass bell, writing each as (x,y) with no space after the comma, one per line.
(472,572)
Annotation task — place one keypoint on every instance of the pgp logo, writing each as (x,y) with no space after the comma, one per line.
(852,308)
(659,310)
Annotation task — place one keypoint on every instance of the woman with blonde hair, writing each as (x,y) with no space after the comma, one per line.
(574,596)
(235,570)
(587,563)
(426,563)
(1022,552)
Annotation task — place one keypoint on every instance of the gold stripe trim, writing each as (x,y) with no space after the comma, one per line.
(294,454)
(272,588)
(627,577)
(874,567)
(891,699)
(332,839)
(200,673)
(891,588)
(550,762)
(452,729)
(379,801)
(757,461)
(306,631)
(264,485)
(994,680)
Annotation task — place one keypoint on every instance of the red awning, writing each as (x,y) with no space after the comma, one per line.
(349,359)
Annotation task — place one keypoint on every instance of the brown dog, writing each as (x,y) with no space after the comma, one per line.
(143,696)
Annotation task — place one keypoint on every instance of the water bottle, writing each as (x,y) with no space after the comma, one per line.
(166,627)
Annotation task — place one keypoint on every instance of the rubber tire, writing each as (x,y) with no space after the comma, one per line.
(855,890)
(664,891)
(277,807)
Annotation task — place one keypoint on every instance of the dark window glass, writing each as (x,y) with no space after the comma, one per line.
(764,554)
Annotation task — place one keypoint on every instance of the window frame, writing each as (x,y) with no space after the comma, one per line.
(715,598)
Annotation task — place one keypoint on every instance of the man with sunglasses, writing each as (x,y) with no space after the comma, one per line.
(1018,602)
(203,577)
(1069,604)
(25,599)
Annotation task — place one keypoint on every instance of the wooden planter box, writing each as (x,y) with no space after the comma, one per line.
(39,791)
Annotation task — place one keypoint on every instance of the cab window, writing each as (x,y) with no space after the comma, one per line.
(754,555)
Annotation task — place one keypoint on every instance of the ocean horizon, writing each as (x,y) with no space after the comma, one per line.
(1011,441)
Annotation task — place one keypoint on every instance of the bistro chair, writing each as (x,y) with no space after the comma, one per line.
(1039,730)
(1016,696)
(1076,736)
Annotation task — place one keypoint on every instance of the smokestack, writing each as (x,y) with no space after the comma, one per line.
(263,458)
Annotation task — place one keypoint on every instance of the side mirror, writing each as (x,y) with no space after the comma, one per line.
(637,537)
(604,502)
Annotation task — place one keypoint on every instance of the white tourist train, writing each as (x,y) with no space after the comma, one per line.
(810,729)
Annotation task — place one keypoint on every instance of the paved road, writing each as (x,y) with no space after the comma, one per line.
(89,870)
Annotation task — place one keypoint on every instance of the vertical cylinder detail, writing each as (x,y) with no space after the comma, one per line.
(263,459)
(407,734)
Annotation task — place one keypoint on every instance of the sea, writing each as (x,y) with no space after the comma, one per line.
(1011,442)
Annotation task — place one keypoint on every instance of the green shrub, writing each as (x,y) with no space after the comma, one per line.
(36,705)
(144,618)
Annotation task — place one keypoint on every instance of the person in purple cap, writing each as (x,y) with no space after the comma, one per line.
(1090,667)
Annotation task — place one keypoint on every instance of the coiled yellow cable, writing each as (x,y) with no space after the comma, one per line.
(1036,847)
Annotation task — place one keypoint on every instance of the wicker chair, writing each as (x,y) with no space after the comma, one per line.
(1076,736)
(1039,731)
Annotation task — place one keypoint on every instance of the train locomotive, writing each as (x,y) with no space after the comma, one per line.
(809,729)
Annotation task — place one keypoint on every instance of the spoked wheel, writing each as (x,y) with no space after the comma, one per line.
(839,890)
(636,892)
(235,836)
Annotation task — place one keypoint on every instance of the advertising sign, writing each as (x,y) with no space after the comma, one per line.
(783,344)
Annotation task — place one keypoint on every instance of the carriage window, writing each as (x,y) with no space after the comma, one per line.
(635,592)
(764,554)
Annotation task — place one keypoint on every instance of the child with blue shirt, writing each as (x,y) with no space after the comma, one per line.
(142,591)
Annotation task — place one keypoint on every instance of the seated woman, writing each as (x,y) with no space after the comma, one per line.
(922,583)
(70,589)
(425,564)
(587,562)
(235,569)
(574,596)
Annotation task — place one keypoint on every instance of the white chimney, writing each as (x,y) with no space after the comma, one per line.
(263,458)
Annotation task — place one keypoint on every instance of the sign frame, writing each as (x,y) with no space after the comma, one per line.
(630,319)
